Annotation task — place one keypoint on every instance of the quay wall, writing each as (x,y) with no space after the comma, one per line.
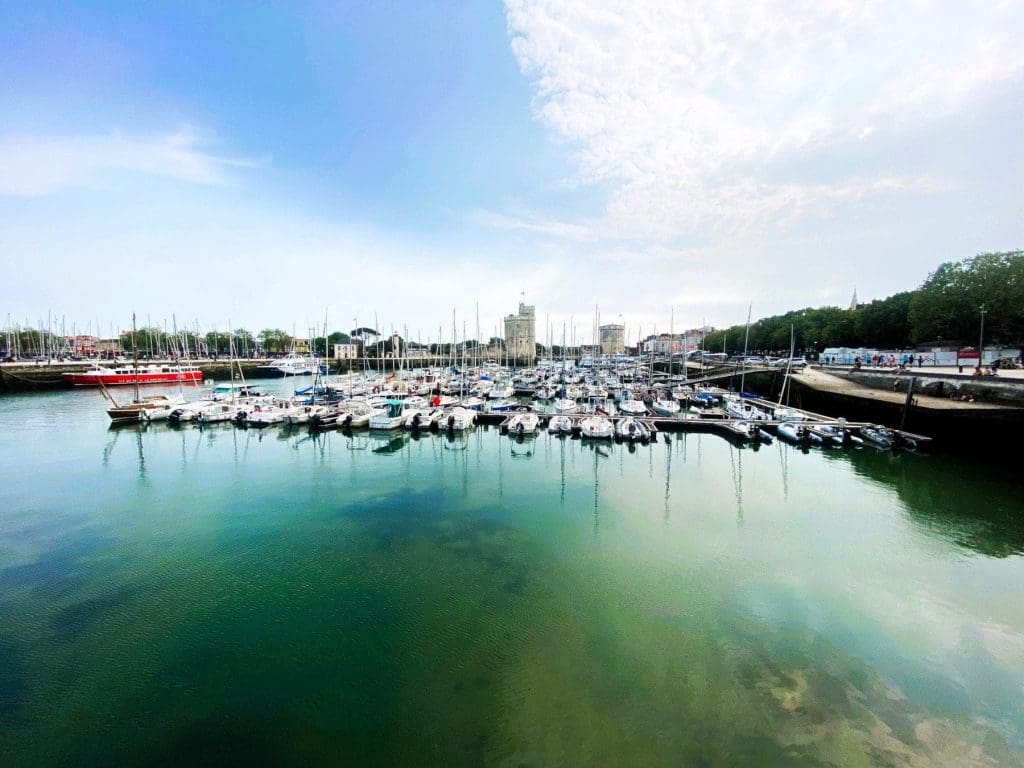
(965,429)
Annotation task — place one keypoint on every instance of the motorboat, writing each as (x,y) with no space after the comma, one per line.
(797,433)
(458,419)
(566,405)
(837,435)
(740,409)
(293,365)
(502,406)
(632,429)
(523,423)
(560,424)
(665,407)
(597,427)
(631,405)
(391,417)
(749,430)
(884,437)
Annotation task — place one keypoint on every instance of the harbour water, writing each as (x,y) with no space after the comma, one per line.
(222,596)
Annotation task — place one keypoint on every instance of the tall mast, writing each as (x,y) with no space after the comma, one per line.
(746,338)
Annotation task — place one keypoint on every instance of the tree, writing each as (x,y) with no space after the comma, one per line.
(275,341)
(948,304)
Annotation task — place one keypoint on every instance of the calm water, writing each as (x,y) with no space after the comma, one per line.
(236,597)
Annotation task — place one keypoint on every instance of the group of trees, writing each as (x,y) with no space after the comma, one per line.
(946,309)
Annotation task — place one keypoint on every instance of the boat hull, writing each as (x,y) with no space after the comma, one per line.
(119,379)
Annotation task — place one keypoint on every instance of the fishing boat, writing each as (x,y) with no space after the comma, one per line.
(97,375)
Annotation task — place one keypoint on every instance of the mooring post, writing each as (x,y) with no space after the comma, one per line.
(907,402)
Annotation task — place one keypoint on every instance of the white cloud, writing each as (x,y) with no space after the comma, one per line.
(681,107)
(37,165)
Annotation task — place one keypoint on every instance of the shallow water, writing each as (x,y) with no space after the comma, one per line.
(187,596)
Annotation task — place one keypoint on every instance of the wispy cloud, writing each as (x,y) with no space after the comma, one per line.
(40,165)
(561,229)
(681,107)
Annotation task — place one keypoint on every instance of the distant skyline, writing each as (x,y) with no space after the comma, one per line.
(268,166)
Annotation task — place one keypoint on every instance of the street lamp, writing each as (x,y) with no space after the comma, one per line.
(981,336)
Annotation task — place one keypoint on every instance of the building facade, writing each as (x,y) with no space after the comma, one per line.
(521,334)
(346,351)
(613,339)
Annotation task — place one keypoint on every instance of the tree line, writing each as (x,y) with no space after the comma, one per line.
(947,309)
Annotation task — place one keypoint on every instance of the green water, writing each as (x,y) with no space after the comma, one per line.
(188,597)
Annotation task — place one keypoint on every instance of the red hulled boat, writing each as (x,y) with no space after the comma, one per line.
(128,374)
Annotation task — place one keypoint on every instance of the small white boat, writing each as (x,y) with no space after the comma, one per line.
(391,418)
(458,419)
(631,405)
(632,429)
(565,405)
(560,424)
(739,408)
(664,407)
(597,427)
(523,423)
(356,414)
(421,418)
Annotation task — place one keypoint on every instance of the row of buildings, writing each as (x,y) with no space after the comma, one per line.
(521,338)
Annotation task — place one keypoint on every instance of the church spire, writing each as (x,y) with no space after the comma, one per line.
(853,301)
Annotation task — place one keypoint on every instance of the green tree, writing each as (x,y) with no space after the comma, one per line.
(275,341)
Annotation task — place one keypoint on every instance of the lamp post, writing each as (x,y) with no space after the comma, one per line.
(981,336)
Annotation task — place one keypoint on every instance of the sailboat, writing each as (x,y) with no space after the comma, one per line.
(148,409)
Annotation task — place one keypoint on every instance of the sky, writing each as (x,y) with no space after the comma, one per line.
(397,164)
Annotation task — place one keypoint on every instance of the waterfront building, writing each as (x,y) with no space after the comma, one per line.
(521,334)
(613,339)
(346,351)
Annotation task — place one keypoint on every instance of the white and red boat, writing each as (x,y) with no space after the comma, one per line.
(128,374)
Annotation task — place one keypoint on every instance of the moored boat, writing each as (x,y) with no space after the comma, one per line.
(597,427)
(98,375)
(523,423)
(632,429)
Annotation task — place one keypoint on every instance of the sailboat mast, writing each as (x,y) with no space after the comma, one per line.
(135,359)
(746,338)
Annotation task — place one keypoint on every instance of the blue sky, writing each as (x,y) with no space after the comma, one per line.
(265,165)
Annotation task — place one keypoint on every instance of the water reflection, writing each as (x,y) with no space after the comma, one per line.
(969,504)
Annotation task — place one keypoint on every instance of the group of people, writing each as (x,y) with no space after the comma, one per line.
(882,361)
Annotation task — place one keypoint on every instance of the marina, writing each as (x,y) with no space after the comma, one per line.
(529,596)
